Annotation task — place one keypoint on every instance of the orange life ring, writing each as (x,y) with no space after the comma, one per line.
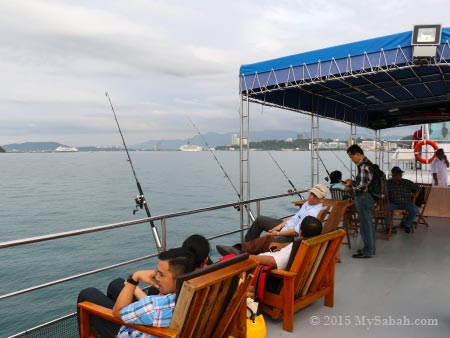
(419,145)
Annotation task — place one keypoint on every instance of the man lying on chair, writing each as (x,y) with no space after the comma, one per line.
(280,253)
(155,310)
(278,230)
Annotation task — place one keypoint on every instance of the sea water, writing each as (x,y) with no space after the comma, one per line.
(44,193)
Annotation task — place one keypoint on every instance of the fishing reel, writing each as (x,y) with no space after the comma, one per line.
(139,203)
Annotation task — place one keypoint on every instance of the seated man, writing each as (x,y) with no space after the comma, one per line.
(336,180)
(197,244)
(401,193)
(155,310)
(279,253)
(278,232)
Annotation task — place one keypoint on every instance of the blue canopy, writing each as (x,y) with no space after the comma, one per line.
(375,83)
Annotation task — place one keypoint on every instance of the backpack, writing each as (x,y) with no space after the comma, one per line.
(377,187)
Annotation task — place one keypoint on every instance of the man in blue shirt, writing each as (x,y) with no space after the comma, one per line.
(277,230)
(154,310)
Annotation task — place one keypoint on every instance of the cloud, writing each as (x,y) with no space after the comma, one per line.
(162,61)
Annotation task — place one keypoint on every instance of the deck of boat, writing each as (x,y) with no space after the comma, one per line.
(408,279)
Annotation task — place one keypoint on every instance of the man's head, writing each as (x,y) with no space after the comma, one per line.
(317,194)
(396,173)
(355,153)
(310,227)
(335,176)
(173,263)
(440,154)
(199,246)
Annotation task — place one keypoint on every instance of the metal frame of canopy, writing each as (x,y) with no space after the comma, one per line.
(377,84)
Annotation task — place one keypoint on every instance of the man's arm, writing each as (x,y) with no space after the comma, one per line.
(277,228)
(435,178)
(125,298)
(288,233)
(446,161)
(268,260)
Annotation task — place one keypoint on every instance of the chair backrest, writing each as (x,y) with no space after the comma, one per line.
(313,260)
(339,194)
(426,188)
(323,213)
(213,304)
(338,209)
(381,207)
(210,268)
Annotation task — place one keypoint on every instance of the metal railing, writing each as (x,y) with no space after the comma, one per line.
(163,221)
(162,218)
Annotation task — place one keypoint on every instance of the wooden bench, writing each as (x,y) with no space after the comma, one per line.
(211,303)
(308,278)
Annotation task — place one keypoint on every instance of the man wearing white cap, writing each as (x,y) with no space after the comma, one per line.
(278,230)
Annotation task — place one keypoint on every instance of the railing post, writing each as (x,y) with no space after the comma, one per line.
(163,234)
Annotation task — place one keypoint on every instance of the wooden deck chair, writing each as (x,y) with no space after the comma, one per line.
(382,217)
(422,204)
(308,277)
(336,214)
(401,214)
(211,303)
(350,218)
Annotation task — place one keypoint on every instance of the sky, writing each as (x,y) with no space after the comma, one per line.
(163,62)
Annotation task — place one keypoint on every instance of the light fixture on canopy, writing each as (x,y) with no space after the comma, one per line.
(425,39)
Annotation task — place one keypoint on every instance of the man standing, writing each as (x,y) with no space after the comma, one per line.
(439,169)
(155,310)
(401,193)
(364,202)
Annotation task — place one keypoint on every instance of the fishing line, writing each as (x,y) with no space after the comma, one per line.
(140,200)
(284,173)
(221,167)
(328,173)
(345,166)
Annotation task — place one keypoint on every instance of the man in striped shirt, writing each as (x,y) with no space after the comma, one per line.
(364,202)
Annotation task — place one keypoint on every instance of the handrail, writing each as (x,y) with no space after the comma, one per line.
(120,225)
(138,221)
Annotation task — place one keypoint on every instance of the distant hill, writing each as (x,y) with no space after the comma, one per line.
(215,139)
(37,147)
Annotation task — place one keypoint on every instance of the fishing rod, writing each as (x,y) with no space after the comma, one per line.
(343,163)
(328,173)
(140,200)
(252,217)
(284,173)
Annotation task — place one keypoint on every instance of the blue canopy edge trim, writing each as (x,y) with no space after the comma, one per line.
(386,43)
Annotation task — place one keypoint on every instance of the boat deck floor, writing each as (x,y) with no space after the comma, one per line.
(407,280)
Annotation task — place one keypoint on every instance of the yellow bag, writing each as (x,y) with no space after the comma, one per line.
(256,326)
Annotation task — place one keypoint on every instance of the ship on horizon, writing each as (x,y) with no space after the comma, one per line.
(190,147)
(61,149)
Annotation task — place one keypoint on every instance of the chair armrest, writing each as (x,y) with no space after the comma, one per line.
(103,312)
(282,273)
